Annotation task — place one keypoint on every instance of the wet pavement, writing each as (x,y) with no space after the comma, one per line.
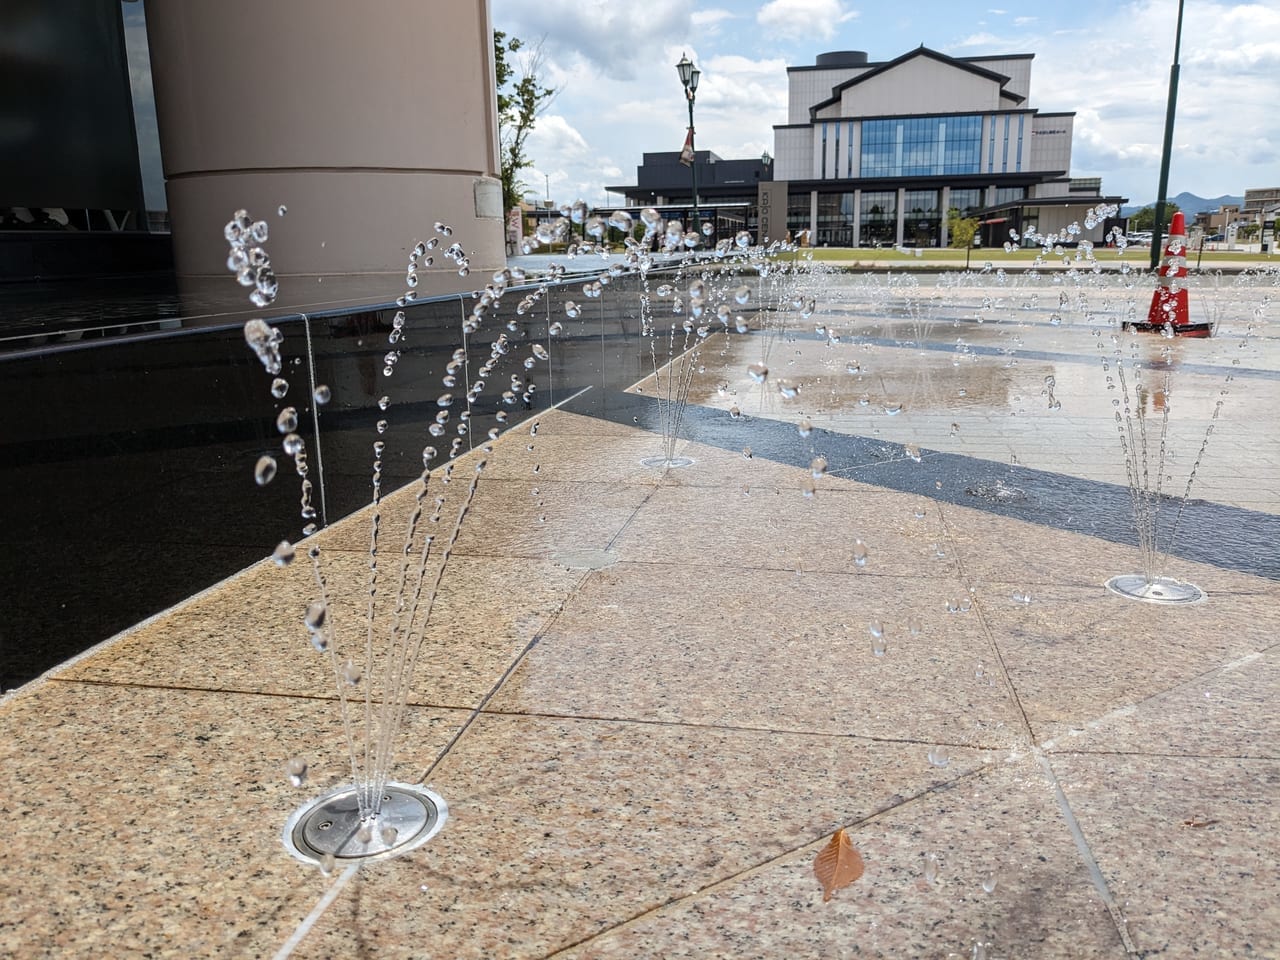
(650,697)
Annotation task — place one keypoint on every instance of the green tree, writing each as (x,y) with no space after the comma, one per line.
(960,229)
(1145,219)
(521,97)
(1249,231)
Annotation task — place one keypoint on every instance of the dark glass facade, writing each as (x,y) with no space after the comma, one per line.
(878,217)
(967,200)
(835,220)
(921,146)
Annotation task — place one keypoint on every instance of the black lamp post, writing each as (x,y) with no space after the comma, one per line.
(1157,232)
(689,75)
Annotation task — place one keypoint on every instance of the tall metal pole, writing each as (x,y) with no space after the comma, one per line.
(1157,231)
(693,167)
(689,75)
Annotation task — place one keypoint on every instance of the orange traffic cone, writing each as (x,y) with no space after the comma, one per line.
(1169,313)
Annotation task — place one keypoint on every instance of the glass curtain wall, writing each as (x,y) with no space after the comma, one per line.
(879,218)
(921,146)
(922,220)
(835,220)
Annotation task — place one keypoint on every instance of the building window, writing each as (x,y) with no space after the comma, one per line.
(824,151)
(1017,160)
(835,220)
(1010,194)
(966,201)
(921,146)
(797,213)
(836,154)
(920,217)
(991,148)
(849,148)
(1004,155)
(879,217)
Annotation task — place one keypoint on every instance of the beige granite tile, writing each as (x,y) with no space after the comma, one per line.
(1076,653)
(1003,825)
(147,822)
(249,635)
(515,519)
(561,828)
(581,458)
(782,528)
(561,423)
(1006,550)
(768,649)
(1226,712)
(1186,890)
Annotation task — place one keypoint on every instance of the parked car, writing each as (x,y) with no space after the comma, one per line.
(1216,238)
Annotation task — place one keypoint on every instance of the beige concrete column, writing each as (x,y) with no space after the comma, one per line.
(369,122)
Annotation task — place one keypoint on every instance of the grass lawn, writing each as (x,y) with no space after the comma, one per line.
(1135,256)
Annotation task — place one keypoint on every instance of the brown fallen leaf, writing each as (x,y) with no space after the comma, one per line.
(1198,822)
(837,864)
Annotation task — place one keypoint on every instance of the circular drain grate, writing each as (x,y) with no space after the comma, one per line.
(665,464)
(330,825)
(1135,586)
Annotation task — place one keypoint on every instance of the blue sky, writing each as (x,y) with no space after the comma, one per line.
(619,95)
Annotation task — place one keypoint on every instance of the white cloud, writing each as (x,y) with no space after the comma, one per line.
(1024,21)
(803,19)
(1118,87)
(553,136)
(709,21)
(616,39)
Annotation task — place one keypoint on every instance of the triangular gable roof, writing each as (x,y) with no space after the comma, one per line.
(921,51)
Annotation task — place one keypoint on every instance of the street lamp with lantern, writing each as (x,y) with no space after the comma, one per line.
(689,75)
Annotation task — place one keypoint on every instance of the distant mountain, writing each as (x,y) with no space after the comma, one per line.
(1188,203)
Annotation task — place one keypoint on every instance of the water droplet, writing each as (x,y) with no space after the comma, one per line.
(287,421)
(746,452)
(388,835)
(540,351)
(315,615)
(742,295)
(789,389)
(296,768)
(912,451)
(938,756)
(818,466)
(893,409)
(931,867)
(264,470)
(279,387)
(735,413)
(351,673)
(758,372)
(989,882)
(327,863)
(1019,596)
(914,626)
(804,428)
(322,394)
(281,210)
(283,554)
(860,553)
(979,951)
